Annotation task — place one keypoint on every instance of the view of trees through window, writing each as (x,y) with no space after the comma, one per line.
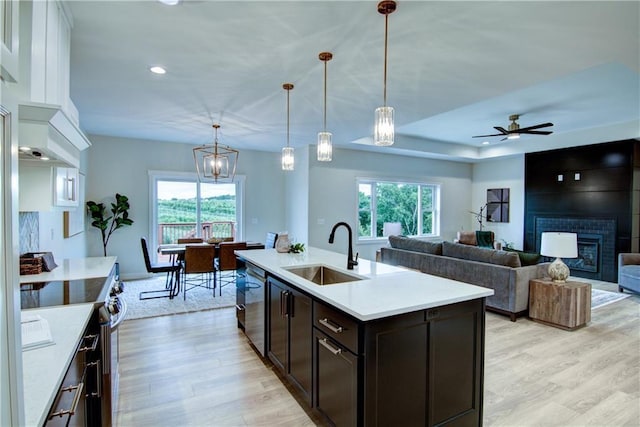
(414,206)
(190,209)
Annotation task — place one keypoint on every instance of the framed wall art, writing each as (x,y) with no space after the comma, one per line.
(498,205)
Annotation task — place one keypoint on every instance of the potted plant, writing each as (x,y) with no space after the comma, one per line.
(108,224)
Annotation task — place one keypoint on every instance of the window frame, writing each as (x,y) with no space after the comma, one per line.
(437,188)
(155,176)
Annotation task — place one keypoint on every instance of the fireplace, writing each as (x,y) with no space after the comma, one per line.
(588,254)
(596,245)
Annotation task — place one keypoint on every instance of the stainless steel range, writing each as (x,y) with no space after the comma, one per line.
(109,312)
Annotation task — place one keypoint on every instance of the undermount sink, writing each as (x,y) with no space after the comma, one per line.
(322,275)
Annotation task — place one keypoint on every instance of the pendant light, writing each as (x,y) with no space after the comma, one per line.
(384,128)
(324,138)
(217,162)
(287,152)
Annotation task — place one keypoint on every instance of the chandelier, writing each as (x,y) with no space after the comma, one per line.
(324,137)
(287,152)
(383,131)
(216,162)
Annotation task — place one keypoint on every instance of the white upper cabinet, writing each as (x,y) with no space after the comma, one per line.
(51,55)
(9,40)
(47,188)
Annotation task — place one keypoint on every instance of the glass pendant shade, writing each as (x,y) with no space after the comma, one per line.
(383,130)
(324,146)
(287,158)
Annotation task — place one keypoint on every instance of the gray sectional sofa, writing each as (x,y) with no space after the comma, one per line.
(501,271)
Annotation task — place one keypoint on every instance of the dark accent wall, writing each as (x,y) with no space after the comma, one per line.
(604,191)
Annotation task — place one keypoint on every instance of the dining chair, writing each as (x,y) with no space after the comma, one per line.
(186,240)
(198,263)
(227,263)
(172,282)
(270,241)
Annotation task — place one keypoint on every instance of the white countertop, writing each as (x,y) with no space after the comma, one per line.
(74,269)
(385,291)
(44,368)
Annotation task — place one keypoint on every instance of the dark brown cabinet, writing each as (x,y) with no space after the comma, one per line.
(289,334)
(423,368)
(335,381)
(429,363)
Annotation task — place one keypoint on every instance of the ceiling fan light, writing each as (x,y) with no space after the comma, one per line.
(383,132)
(287,158)
(324,146)
(513,136)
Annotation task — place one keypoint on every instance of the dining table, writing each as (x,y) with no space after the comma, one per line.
(176,250)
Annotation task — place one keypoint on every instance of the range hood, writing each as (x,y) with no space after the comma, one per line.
(48,132)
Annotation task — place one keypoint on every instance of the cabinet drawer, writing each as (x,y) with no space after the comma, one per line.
(337,325)
(69,406)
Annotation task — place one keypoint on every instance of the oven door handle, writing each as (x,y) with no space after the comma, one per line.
(121,315)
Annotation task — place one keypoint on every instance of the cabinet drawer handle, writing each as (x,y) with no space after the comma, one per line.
(74,405)
(332,349)
(98,392)
(92,346)
(335,329)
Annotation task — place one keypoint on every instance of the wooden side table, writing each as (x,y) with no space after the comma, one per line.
(563,305)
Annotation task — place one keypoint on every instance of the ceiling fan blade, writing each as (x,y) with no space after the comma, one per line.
(537,132)
(501,129)
(484,136)
(542,125)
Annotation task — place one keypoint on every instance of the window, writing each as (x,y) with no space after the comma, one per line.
(414,205)
(184,207)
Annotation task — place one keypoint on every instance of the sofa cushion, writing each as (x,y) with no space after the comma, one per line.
(416,245)
(630,272)
(473,253)
(526,258)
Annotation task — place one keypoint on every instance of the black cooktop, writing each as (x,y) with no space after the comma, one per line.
(46,294)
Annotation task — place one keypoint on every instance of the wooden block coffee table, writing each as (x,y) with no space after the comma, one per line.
(563,305)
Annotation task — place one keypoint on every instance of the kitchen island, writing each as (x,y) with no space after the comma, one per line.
(386,346)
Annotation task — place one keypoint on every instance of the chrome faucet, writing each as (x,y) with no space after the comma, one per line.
(350,260)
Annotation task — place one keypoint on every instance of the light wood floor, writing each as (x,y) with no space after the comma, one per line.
(198,369)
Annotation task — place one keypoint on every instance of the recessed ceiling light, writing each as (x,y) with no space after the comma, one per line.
(169,2)
(158,70)
(485,142)
(25,149)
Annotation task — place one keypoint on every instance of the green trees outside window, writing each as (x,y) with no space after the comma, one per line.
(414,206)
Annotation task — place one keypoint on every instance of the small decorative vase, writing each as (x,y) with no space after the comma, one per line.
(282,244)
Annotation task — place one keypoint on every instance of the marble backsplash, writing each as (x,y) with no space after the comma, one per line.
(29,231)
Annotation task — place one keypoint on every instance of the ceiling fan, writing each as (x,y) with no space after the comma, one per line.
(515,130)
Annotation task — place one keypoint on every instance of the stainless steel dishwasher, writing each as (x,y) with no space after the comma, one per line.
(255,288)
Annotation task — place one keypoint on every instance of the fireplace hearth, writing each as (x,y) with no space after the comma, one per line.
(596,244)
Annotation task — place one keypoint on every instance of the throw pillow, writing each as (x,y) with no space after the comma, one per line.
(526,258)
(474,253)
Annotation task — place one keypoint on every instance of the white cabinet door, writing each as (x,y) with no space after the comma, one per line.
(66,187)
(9,17)
(43,188)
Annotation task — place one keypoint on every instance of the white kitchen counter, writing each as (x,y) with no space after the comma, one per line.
(74,269)
(385,291)
(44,368)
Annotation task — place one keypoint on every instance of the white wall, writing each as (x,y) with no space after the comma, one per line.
(502,173)
(297,198)
(117,165)
(333,195)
